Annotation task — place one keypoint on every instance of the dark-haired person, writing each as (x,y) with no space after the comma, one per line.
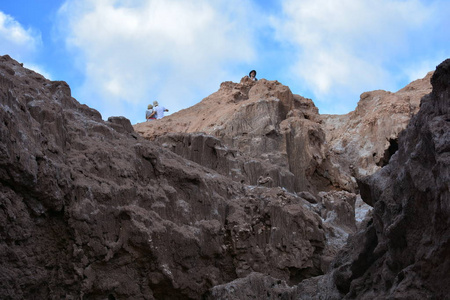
(252,75)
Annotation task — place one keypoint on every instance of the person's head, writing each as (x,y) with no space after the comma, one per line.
(149,106)
(155,103)
(252,73)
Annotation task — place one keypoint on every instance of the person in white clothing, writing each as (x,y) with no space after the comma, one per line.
(159,110)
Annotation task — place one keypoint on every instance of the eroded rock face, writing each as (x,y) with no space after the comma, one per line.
(403,252)
(242,206)
(264,124)
(254,286)
(89,209)
(277,134)
(407,250)
(363,141)
(210,152)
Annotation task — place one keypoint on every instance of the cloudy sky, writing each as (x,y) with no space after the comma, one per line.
(120,55)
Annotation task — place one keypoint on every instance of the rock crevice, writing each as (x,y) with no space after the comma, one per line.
(249,193)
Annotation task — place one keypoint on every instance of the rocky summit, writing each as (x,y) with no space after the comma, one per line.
(249,194)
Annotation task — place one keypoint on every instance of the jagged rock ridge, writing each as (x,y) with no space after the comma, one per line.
(258,130)
(94,210)
(89,209)
(403,251)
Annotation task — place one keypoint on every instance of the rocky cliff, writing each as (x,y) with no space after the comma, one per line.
(256,126)
(255,130)
(89,209)
(250,191)
(403,251)
(367,137)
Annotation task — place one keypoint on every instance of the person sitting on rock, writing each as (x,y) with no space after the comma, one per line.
(252,75)
(150,114)
(159,110)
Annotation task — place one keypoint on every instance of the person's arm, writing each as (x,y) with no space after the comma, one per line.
(152,114)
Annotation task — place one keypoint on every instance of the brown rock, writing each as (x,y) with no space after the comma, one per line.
(363,141)
(210,152)
(403,252)
(276,132)
(254,286)
(92,210)
(264,122)
(409,235)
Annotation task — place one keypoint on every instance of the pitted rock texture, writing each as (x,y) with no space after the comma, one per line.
(363,141)
(403,252)
(406,251)
(262,287)
(210,152)
(91,210)
(276,131)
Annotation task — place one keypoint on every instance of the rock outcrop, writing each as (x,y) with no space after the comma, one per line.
(366,138)
(277,134)
(252,130)
(89,209)
(250,193)
(403,252)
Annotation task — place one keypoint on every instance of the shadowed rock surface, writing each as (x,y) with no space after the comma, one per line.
(403,252)
(89,209)
(255,130)
(266,130)
(249,193)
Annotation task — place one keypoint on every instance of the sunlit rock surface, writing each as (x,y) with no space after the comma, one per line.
(251,192)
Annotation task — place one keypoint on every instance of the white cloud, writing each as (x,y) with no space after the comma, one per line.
(38,69)
(15,40)
(179,51)
(346,47)
(136,51)
(419,68)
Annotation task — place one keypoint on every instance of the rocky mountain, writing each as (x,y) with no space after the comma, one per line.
(252,129)
(403,251)
(249,193)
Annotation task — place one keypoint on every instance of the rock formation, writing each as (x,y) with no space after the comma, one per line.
(252,129)
(366,138)
(249,193)
(403,252)
(90,209)
(276,133)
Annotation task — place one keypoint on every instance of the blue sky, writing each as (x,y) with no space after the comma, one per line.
(119,55)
